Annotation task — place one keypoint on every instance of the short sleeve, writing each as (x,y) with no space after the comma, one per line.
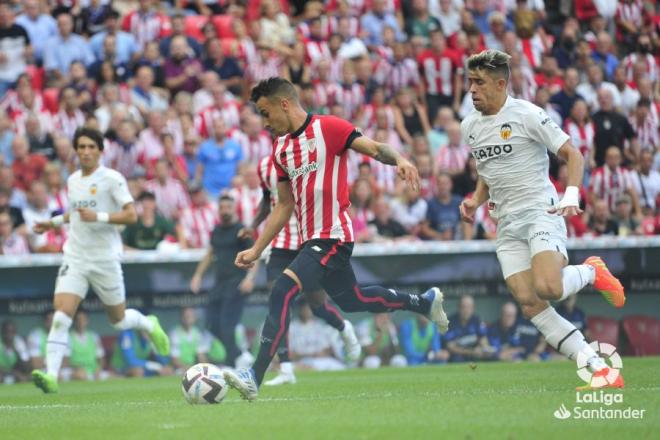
(543,129)
(119,190)
(338,134)
(282,175)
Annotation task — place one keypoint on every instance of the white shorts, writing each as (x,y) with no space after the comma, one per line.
(521,236)
(105,277)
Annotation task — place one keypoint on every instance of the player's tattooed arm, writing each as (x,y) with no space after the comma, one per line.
(386,154)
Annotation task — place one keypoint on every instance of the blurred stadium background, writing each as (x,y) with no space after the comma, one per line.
(168,84)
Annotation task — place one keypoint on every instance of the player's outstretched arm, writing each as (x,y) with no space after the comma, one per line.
(570,203)
(389,156)
(58,220)
(127,215)
(278,218)
(202,266)
(469,206)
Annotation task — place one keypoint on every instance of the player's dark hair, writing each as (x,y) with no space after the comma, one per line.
(491,60)
(272,87)
(89,132)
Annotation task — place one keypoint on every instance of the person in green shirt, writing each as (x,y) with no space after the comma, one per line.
(150,229)
(421,23)
(380,343)
(37,342)
(421,342)
(133,356)
(189,344)
(86,351)
(14,358)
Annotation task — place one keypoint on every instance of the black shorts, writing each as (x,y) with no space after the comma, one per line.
(279,260)
(319,262)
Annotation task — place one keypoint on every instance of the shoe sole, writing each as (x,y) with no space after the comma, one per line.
(237,384)
(437,313)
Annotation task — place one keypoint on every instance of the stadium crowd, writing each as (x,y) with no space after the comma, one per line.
(168,85)
(313,344)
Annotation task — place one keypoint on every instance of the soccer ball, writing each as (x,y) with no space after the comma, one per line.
(203,383)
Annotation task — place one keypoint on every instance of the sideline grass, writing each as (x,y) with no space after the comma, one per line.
(496,400)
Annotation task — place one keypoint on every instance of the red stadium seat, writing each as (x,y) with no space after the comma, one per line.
(643,334)
(51,99)
(37,74)
(585,10)
(603,329)
(223,26)
(228,46)
(193,26)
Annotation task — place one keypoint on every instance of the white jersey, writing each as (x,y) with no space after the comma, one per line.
(510,150)
(105,190)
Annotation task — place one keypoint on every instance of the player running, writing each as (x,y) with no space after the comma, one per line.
(99,200)
(310,158)
(284,249)
(509,138)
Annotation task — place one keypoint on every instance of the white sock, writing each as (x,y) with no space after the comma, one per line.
(57,343)
(574,278)
(286,368)
(561,334)
(136,320)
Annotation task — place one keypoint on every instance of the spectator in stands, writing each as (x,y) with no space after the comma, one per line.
(36,342)
(179,30)
(39,140)
(146,23)
(181,70)
(564,50)
(603,55)
(11,243)
(12,62)
(275,24)
(190,146)
(542,99)
(85,350)
(591,89)
(27,167)
(380,343)
(218,158)
(453,156)
(376,20)
(421,23)
(503,335)
(420,342)
(645,126)
(150,229)
(600,222)
(14,212)
(442,217)
(647,183)
(110,103)
(612,128)
(386,228)
(15,195)
(629,96)
(467,336)
(410,210)
(626,223)
(611,181)
(531,339)
(580,128)
(255,141)
(188,342)
(313,345)
(64,48)
(227,67)
(14,357)
(573,314)
(6,138)
(199,219)
(143,95)
(69,117)
(427,179)
(122,153)
(232,284)
(56,187)
(171,195)
(133,356)
(150,143)
(247,194)
(36,210)
(567,96)
(39,26)
(126,49)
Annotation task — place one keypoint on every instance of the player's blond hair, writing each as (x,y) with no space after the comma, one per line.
(493,61)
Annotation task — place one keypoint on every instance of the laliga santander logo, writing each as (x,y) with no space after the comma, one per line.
(607,352)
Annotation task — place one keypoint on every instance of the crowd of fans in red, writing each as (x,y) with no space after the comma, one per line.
(168,85)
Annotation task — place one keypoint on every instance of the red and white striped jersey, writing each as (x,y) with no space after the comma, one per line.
(146,27)
(120,158)
(59,201)
(260,69)
(314,160)
(289,236)
(397,75)
(246,52)
(253,148)
(327,93)
(630,11)
(647,133)
(369,116)
(438,71)
(353,25)
(532,50)
(204,119)
(66,124)
(651,66)
(351,98)
(171,197)
(610,185)
(452,157)
(316,51)
(528,89)
(582,137)
(247,202)
(198,223)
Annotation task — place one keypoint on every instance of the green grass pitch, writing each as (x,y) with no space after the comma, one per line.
(496,400)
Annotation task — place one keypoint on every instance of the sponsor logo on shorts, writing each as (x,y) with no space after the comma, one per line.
(540,234)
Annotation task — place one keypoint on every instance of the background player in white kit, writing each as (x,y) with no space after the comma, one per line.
(509,138)
(99,200)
